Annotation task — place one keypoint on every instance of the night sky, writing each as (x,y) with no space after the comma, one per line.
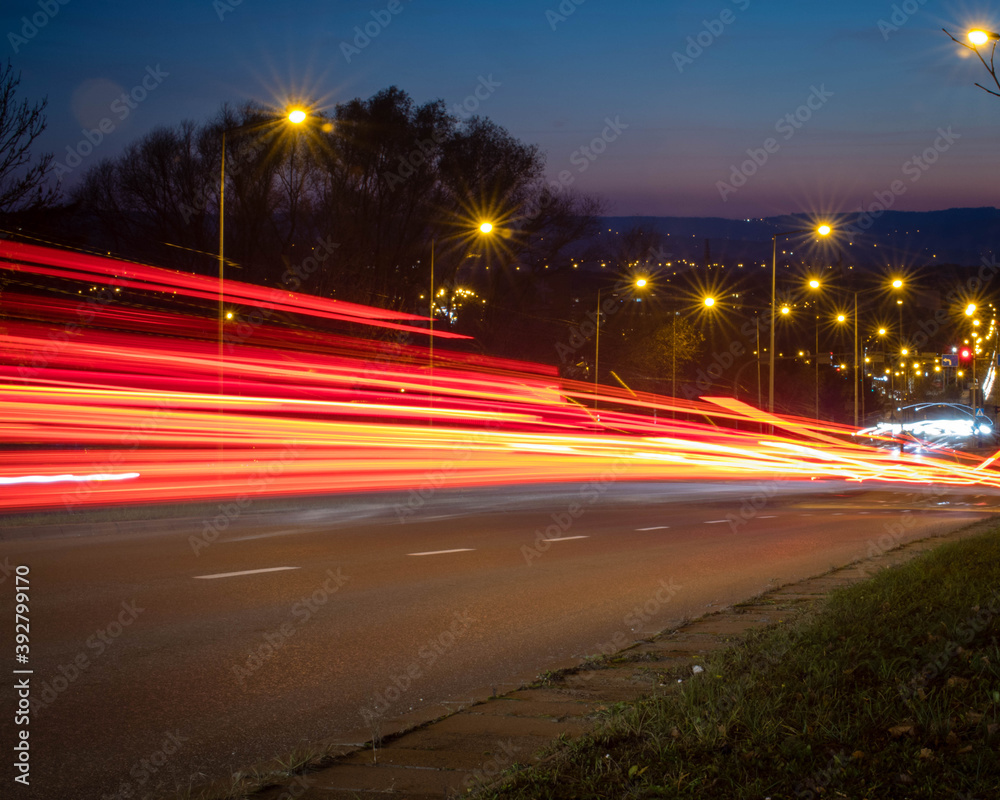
(674,93)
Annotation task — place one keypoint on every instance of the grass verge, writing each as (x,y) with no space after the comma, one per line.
(890,688)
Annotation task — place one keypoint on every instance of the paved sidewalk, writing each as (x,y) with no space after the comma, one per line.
(471,747)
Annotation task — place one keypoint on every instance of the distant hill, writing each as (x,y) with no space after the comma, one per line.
(962,236)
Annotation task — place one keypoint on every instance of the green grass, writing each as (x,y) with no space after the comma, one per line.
(889,689)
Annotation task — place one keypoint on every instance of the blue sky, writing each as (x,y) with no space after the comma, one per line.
(690,87)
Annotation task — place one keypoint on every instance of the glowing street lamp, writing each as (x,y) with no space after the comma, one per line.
(815,285)
(295,116)
(486,228)
(843,318)
(980,37)
(822,230)
(639,283)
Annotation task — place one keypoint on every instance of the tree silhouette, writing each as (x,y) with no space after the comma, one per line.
(22,183)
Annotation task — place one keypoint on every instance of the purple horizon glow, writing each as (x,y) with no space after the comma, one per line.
(689,89)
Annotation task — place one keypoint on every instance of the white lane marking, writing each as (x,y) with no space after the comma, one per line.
(654,528)
(565,538)
(768,516)
(262,535)
(244,572)
(715,521)
(443,552)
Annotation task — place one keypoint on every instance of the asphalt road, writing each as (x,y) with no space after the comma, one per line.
(155,665)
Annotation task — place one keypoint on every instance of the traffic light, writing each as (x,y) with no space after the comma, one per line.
(965,356)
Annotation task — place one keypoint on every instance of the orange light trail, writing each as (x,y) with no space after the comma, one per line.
(111,404)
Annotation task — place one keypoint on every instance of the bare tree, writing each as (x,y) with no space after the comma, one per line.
(22,183)
(990,66)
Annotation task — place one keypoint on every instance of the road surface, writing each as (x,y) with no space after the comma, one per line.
(163,654)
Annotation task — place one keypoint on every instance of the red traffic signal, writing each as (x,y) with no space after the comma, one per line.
(965,355)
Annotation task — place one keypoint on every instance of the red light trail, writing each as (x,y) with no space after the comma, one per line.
(105,403)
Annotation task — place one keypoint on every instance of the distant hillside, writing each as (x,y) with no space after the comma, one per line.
(961,236)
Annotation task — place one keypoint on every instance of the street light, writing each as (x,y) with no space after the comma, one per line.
(639,283)
(970,311)
(816,285)
(485,228)
(295,116)
(707,302)
(822,230)
(858,374)
(977,38)
(980,37)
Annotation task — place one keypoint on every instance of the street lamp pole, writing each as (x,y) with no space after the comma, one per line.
(597,343)
(856,376)
(822,230)
(816,365)
(638,283)
(222,258)
(295,116)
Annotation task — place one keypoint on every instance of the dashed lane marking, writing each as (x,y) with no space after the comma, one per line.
(243,572)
